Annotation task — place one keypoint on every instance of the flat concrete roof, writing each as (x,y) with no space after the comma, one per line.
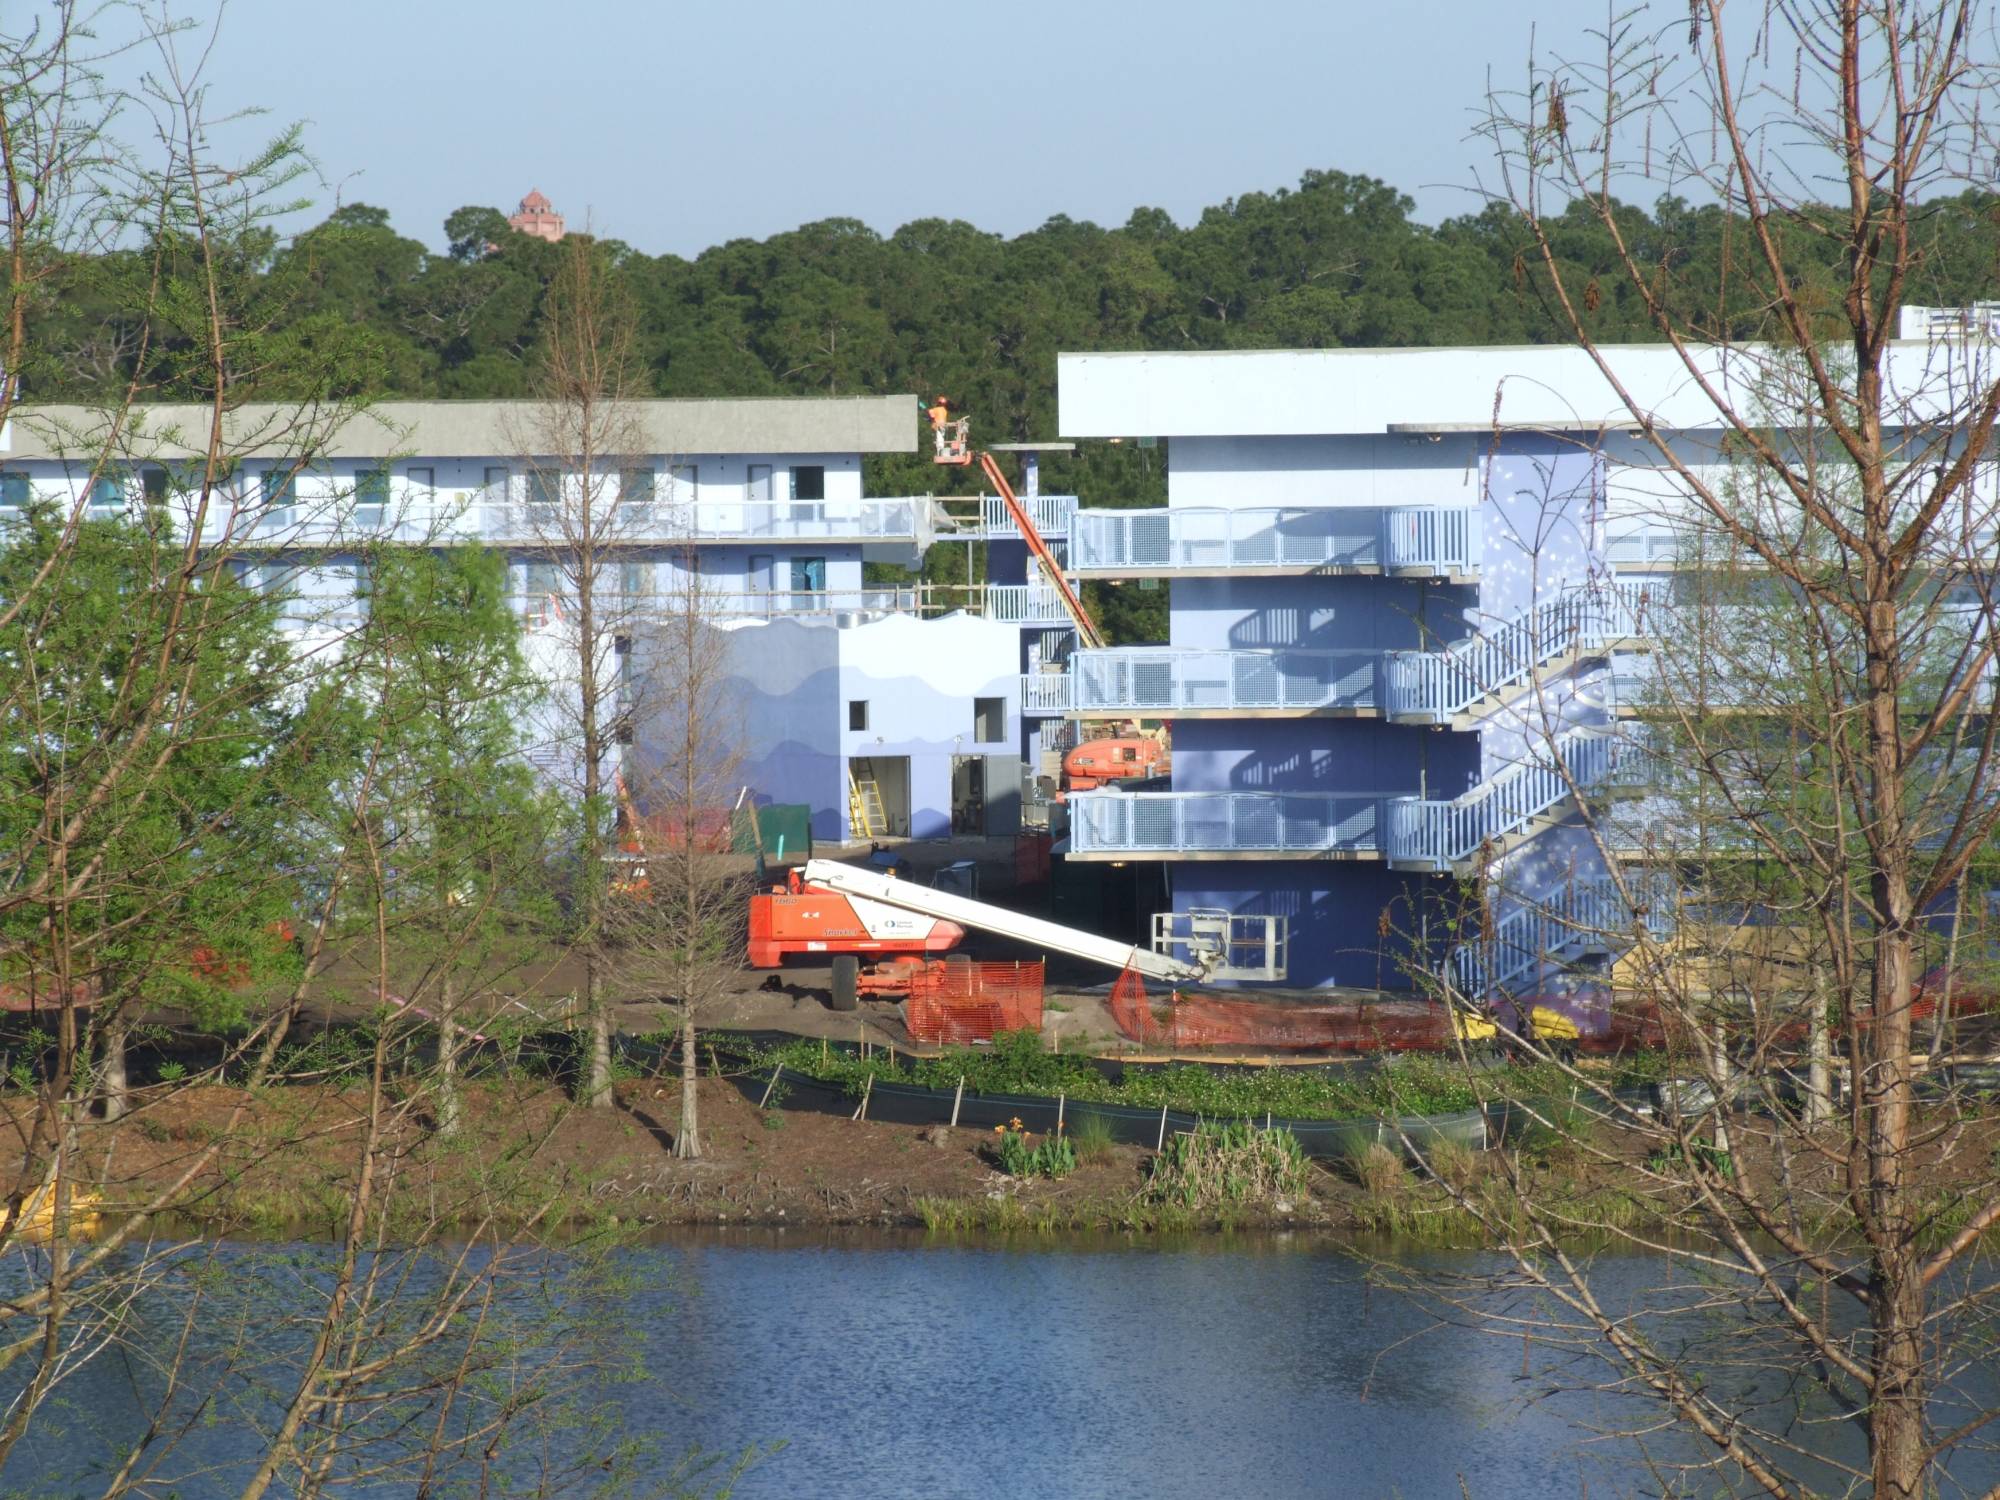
(1550,387)
(472,429)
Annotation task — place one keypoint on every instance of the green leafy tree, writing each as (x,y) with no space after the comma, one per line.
(187,905)
(458,818)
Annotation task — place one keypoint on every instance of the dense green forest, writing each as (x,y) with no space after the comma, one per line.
(836,308)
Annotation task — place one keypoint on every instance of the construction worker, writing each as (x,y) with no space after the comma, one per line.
(939,411)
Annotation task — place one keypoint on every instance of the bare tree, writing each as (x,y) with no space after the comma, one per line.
(580,444)
(686,935)
(1822,742)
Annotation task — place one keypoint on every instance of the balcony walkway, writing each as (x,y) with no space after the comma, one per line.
(1197,542)
(1410,833)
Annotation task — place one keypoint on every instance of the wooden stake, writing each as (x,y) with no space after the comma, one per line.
(775,1071)
(822,1052)
(861,1109)
(1059,1110)
(956,1100)
(1161,1144)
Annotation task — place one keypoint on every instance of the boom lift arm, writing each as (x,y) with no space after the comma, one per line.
(1086,628)
(954,447)
(1051,937)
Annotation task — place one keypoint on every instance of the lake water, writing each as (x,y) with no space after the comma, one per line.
(889,1365)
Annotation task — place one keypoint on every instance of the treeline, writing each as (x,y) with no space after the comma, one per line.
(835,308)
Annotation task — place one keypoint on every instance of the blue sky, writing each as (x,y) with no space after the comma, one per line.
(678,124)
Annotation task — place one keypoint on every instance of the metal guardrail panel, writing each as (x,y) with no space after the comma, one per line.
(1160,679)
(1440,540)
(1050,513)
(1165,823)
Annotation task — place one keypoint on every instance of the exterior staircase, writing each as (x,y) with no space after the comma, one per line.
(1501,813)
(1586,919)
(1486,672)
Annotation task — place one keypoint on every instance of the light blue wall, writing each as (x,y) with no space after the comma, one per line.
(791,682)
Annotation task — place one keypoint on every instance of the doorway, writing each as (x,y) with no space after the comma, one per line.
(968,795)
(882,784)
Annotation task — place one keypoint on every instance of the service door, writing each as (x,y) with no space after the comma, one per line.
(1003,795)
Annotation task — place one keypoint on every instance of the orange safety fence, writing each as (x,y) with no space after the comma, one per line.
(960,1003)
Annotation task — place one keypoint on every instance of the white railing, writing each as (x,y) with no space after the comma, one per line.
(1436,686)
(1162,679)
(1149,824)
(1435,541)
(907,518)
(1050,513)
(1583,914)
(1025,604)
(1432,835)
(1045,692)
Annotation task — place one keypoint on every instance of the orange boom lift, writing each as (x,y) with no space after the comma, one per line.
(954,448)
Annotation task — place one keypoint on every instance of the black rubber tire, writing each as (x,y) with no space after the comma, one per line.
(846,991)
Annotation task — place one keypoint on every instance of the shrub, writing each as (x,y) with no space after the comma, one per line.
(1218,1165)
(172,1072)
(1092,1138)
(1452,1163)
(1380,1170)
(1023,1156)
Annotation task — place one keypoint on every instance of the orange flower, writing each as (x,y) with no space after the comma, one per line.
(999,1129)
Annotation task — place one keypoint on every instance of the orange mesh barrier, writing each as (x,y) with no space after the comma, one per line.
(959,1003)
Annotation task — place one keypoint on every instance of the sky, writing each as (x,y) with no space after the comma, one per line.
(674,125)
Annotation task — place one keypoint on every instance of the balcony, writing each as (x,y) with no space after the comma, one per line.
(1410,832)
(659,522)
(1194,541)
(1045,694)
(1050,513)
(1024,604)
(1189,684)
(1109,825)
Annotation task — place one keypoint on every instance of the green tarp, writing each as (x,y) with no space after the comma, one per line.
(789,822)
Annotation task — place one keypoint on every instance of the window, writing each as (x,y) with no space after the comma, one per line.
(621,645)
(496,484)
(545,487)
(278,488)
(538,581)
(808,575)
(153,482)
(682,482)
(15,491)
(107,493)
(989,720)
(635,579)
(809,482)
(857,713)
(371,496)
(625,735)
(424,481)
(635,486)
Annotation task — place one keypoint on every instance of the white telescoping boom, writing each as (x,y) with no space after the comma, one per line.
(1052,937)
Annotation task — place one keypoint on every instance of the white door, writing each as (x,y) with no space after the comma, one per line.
(758,514)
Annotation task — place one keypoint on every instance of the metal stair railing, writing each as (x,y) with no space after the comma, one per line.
(1437,686)
(1434,835)
(1552,929)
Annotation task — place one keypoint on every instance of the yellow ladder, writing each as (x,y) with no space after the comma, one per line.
(864,807)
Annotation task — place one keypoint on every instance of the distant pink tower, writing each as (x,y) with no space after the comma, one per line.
(538,216)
